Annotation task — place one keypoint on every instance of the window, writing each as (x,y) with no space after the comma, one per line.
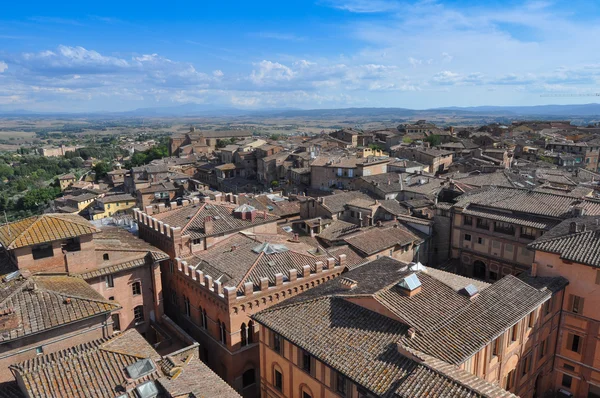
(508,248)
(576,304)
(116,322)
(574,343)
(526,365)
(244,334)
(569,367)
(546,307)
(350,172)
(138,314)
(352,213)
(339,172)
(111,298)
(306,361)
(566,381)
(495,348)
(391,252)
(222,332)
(542,348)
(248,378)
(510,380)
(467,237)
(186,306)
(250,332)
(204,320)
(504,228)
(306,395)
(136,289)
(109,281)
(527,233)
(531,320)
(105,257)
(171,266)
(340,384)
(493,276)
(514,333)
(276,343)
(42,251)
(468,220)
(482,223)
(481,241)
(598,277)
(278,380)
(39,350)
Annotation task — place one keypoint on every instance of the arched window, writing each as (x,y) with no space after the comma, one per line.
(186,306)
(105,256)
(201,316)
(222,332)
(250,332)
(244,334)
(204,319)
(248,378)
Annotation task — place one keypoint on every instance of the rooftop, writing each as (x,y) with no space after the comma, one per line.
(102,369)
(44,228)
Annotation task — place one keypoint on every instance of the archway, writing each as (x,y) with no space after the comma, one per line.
(479,270)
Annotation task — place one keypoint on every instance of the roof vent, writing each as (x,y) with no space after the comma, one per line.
(147,390)
(470,291)
(410,285)
(11,276)
(348,283)
(140,368)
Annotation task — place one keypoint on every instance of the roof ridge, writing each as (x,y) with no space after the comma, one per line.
(555,238)
(194,217)
(61,216)
(34,220)
(247,274)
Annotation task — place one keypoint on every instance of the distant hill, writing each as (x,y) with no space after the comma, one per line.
(207,110)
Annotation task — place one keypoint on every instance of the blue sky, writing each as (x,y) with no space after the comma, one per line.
(115,56)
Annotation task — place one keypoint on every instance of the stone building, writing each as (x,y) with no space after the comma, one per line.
(492,227)
(438,160)
(340,171)
(66,180)
(572,250)
(390,329)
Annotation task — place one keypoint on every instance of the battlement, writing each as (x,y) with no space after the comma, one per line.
(298,281)
(152,223)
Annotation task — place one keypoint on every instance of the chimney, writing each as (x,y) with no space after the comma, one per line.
(67,300)
(411,332)
(209,226)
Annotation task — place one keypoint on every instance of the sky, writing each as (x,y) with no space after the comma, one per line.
(80,56)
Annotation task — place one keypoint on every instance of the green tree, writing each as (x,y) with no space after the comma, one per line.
(274,184)
(101,168)
(275,137)
(407,140)
(434,140)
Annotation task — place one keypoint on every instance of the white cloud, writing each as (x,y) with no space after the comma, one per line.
(363,6)
(414,62)
(3,66)
(270,72)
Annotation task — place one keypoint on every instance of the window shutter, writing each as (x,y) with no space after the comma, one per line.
(571,301)
(580,309)
(569,341)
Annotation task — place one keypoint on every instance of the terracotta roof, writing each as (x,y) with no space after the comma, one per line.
(191,219)
(45,228)
(67,177)
(98,369)
(336,203)
(525,201)
(361,344)
(579,244)
(159,187)
(376,239)
(116,198)
(337,230)
(39,303)
(450,327)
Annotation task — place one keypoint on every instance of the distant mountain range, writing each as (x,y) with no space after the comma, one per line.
(203,110)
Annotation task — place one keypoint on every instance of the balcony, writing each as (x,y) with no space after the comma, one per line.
(504,229)
(483,224)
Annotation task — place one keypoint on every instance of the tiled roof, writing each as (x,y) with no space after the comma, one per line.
(581,246)
(45,228)
(527,221)
(191,219)
(362,345)
(236,260)
(374,240)
(159,187)
(525,201)
(116,198)
(40,303)
(98,369)
(125,250)
(338,229)
(336,203)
